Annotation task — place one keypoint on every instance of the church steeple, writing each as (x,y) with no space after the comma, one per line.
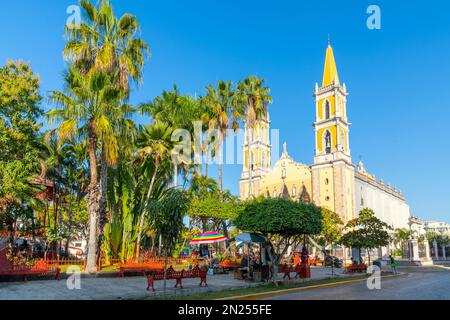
(333,171)
(330,73)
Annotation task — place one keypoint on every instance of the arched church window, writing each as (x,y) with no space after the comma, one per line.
(264,160)
(275,193)
(328,142)
(327,110)
(294,191)
(283,174)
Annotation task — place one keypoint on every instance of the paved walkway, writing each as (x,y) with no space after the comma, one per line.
(124,288)
(421,283)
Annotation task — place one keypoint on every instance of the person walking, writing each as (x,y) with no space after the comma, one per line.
(394,264)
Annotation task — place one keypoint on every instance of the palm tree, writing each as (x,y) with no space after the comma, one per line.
(82,112)
(154,146)
(253,97)
(108,44)
(219,105)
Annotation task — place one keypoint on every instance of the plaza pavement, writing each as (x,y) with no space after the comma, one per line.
(420,283)
(128,288)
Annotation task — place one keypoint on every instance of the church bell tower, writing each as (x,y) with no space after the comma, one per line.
(333,173)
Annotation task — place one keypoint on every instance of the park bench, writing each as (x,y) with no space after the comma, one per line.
(361,268)
(298,270)
(195,273)
(41,268)
(143,268)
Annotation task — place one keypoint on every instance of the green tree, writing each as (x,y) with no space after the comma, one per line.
(332,226)
(154,145)
(366,231)
(401,237)
(104,49)
(252,100)
(166,217)
(218,105)
(283,221)
(19,145)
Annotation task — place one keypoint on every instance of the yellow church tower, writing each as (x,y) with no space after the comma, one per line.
(333,174)
(257,158)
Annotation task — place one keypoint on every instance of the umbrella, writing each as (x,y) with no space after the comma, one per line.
(251,238)
(208,237)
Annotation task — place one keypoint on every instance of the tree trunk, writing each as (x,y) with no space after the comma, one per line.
(175,176)
(143,209)
(368,255)
(93,206)
(102,201)
(250,165)
(165,272)
(159,245)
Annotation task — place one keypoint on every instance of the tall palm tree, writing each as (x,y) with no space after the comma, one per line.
(109,45)
(154,146)
(83,111)
(219,105)
(252,99)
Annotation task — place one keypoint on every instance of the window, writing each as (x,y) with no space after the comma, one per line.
(362,201)
(327,110)
(327,198)
(327,181)
(264,162)
(294,191)
(283,174)
(275,193)
(328,142)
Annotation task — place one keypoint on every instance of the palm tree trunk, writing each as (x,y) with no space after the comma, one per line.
(142,217)
(102,201)
(93,206)
(175,176)
(165,272)
(250,165)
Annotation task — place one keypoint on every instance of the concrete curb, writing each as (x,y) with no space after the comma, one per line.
(300,289)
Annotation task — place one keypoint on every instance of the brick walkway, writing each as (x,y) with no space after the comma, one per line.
(123,288)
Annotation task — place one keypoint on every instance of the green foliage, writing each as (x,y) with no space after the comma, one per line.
(215,209)
(332,227)
(19,153)
(281,217)
(366,231)
(167,216)
(438,237)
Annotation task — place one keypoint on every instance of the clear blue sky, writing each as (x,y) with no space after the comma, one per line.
(398,77)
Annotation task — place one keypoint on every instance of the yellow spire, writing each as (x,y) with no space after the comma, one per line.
(330,71)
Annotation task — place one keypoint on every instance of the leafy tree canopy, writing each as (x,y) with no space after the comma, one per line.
(366,231)
(281,217)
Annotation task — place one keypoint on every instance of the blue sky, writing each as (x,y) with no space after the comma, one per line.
(398,77)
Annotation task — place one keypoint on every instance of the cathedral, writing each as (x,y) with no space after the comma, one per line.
(332,181)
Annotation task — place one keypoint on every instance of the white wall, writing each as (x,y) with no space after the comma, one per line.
(388,208)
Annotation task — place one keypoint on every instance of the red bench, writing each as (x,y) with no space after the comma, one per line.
(41,268)
(361,268)
(178,276)
(139,267)
(298,270)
